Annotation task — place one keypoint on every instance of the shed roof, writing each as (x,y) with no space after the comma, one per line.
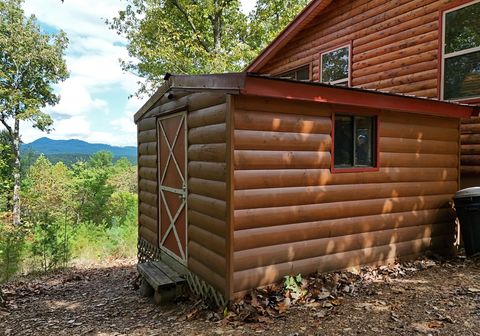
(264,86)
(314,8)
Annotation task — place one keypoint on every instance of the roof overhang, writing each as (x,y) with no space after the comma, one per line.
(263,86)
(301,20)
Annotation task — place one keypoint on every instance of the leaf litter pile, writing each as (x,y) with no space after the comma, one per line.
(424,297)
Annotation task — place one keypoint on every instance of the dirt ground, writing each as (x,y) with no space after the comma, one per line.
(422,298)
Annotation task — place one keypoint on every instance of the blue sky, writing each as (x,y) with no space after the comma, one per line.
(94,103)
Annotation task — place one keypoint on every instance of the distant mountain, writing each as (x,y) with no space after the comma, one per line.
(76,149)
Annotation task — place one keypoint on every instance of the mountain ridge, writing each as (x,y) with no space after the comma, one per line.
(49,146)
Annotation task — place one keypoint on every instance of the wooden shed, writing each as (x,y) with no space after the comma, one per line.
(426,48)
(244,179)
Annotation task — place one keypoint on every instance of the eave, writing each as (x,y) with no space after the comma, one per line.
(301,20)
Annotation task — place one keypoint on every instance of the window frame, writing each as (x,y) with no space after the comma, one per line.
(327,51)
(296,69)
(442,56)
(376,143)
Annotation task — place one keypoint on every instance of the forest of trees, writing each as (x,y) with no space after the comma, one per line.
(86,211)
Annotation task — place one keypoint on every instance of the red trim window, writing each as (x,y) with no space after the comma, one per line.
(335,66)
(355,143)
(460,50)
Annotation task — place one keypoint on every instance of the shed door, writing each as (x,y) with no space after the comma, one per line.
(172,175)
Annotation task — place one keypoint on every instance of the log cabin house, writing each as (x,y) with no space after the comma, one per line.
(426,48)
(246,178)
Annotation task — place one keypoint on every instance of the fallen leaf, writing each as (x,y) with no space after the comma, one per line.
(284,305)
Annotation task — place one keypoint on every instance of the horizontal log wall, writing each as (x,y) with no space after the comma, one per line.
(147,180)
(395,43)
(470,159)
(207,188)
(207,197)
(292,215)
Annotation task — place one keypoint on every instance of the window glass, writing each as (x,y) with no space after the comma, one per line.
(354,141)
(302,73)
(343,141)
(363,141)
(462,76)
(461,55)
(335,66)
(462,28)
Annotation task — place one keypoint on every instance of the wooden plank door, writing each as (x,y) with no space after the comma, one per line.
(172,177)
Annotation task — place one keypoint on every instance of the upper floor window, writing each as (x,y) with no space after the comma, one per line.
(301,74)
(335,66)
(461,52)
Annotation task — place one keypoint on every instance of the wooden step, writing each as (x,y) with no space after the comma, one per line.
(159,275)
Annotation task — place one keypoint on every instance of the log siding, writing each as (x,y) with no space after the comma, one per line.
(394,44)
(395,47)
(293,215)
(207,187)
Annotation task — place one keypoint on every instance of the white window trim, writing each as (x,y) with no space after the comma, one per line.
(453,54)
(349,62)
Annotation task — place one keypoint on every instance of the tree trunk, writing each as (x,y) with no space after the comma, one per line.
(16,173)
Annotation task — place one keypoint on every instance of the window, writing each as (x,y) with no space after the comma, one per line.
(301,74)
(461,52)
(335,66)
(354,141)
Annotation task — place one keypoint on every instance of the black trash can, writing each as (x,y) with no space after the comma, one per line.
(467,205)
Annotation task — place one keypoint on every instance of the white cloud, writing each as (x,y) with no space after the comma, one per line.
(75,99)
(93,61)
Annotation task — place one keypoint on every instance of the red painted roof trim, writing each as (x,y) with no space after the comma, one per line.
(275,88)
(300,21)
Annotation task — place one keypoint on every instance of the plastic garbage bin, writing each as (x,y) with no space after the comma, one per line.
(467,204)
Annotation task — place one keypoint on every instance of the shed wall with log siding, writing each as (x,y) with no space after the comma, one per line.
(263,197)
(293,215)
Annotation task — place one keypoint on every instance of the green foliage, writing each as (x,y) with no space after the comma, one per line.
(48,202)
(30,63)
(47,193)
(269,18)
(120,207)
(182,36)
(98,242)
(12,247)
(92,192)
(197,36)
(48,244)
(294,285)
(86,212)
(6,177)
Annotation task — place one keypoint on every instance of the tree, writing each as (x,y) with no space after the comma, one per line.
(196,36)
(182,36)
(92,189)
(269,18)
(47,201)
(6,168)
(30,63)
